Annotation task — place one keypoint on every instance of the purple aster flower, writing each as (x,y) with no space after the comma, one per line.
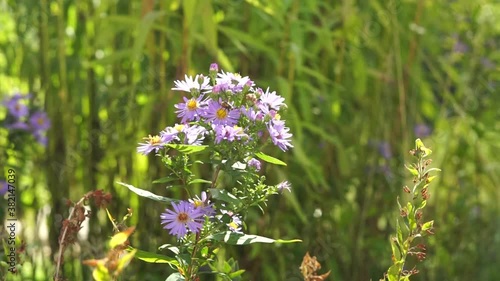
(279,134)
(235,223)
(194,134)
(16,108)
(152,143)
(422,130)
(284,185)
(270,100)
(185,217)
(19,125)
(4,187)
(39,121)
(200,83)
(254,163)
(229,133)
(221,115)
(190,109)
(203,204)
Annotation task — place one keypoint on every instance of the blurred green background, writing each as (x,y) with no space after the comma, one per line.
(362,80)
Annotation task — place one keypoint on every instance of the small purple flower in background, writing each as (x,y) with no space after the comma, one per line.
(190,110)
(221,115)
(284,185)
(254,163)
(460,47)
(15,107)
(421,130)
(487,63)
(39,121)
(185,217)
(190,84)
(19,125)
(4,187)
(279,134)
(152,143)
(229,133)
(384,148)
(252,114)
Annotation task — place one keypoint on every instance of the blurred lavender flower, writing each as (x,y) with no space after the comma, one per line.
(460,47)
(4,187)
(421,130)
(19,125)
(39,121)
(487,63)
(15,107)
(384,148)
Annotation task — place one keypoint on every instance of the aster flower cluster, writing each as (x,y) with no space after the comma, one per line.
(233,117)
(224,107)
(21,119)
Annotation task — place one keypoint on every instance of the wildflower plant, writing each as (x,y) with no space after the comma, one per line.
(224,122)
(411,229)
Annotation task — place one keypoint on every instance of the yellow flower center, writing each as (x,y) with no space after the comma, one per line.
(153,139)
(192,104)
(277,117)
(233,225)
(179,127)
(40,121)
(238,129)
(198,203)
(221,113)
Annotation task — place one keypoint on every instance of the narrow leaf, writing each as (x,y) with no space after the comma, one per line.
(121,237)
(165,179)
(199,181)
(188,149)
(234,238)
(269,159)
(154,258)
(147,194)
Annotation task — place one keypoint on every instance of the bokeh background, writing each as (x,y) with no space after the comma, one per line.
(362,80)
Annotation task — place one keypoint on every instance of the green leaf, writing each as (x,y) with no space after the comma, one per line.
(188,149)
(269,159)
(165,179)
(147,194)
(199,181)
(224,195)
(394,270)
(428,225)
(154,258)
(412,170)
(234,238)
(175,277)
